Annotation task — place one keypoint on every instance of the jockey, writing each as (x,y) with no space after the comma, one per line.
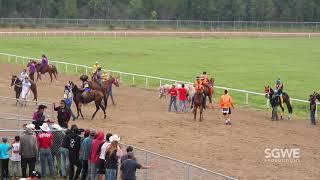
(44,62)
(87,89)
(99,75)
(199,88)
(32,67)
(204,77)
(24,74)
(279,89)
(95,67)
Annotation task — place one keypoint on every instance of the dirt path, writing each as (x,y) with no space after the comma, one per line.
(238,150)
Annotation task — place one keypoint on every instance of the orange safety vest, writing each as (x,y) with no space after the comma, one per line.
(226,101)
(205,78)
(199,86)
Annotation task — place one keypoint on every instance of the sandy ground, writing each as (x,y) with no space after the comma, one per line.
(238,150)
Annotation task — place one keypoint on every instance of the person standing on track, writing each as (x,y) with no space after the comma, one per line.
(23,74)
(173,100)
(183,98)
(226,104)
(26,85)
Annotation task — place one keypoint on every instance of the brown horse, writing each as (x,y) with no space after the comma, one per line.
(286,99)
(104,88)
(18,88)
(51,69)
(316,95)
(93,95)
(207,92)
(198,103)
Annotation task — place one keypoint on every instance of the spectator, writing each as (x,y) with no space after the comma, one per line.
(4,157)
(313,109)
(28,151)
(64,114)
(94,156)
(183,98)
(87,145)
(68,97)
(74,142)
(226,104)
(85,135)
(15,156)
(112,158)
(45,141)
(55,148)
(39,117)
(129,167)
(64,155)
(102,156)
(173,100)
(125,157)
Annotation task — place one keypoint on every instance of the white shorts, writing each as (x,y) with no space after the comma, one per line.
(24,95)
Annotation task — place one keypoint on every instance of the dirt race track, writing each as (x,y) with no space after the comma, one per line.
(238,150)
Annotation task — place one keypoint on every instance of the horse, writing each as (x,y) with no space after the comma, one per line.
(18,88)
(94,95)
(51,69)
(198,103)
(104,88)
(164,89)
(316,96)
(286,99)
(208,93)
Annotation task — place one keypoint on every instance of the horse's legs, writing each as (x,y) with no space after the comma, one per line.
(195,112)
(97,108)
(282,110)
(50,74)
(201,111)
(103,109)
(55,75)
(106,97)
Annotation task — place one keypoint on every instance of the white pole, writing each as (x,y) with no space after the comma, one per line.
(86,70)
(132,79)
(76,68)
(66,68)
(267,102)
(160,83)
(247,98)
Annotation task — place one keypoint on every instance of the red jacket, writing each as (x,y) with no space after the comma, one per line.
(173,92)
(182,94)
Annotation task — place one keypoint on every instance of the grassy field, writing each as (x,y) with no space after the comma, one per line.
(243,63)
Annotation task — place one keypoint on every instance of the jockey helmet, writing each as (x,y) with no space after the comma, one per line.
(97,62)
(43,55)
(99,68)
(204,72)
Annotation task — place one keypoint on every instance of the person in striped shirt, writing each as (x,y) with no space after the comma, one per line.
(226,104)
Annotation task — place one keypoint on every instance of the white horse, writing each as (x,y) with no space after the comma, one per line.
(164,89)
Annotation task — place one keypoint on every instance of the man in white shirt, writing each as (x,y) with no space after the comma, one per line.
(26,85)
(24,74)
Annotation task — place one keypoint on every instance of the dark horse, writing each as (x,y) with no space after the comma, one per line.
(18,88)
(207,92)
(286,99)
(104,87)
(94,95)
(51,69)
(198,103)
(316,96)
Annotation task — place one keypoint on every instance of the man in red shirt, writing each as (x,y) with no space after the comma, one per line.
(45,139)
(173,100)
(183,98)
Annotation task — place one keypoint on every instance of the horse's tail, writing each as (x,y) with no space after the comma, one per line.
(286,99)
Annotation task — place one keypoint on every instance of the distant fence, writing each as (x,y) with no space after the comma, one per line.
(164,24)
(165,167)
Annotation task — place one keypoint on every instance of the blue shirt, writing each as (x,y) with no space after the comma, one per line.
(87,145)
(4,151)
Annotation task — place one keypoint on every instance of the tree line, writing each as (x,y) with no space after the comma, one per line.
(219,10)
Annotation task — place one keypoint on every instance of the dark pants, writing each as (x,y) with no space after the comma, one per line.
(74,162)
(313,117)
(173,100)
(31,162)
(84,169)
(5,168)
(274,113)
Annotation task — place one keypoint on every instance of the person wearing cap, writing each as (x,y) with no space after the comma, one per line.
(226,104)
(279,90)
(32,69)
(64,114)
(68,98)
(128,167)
(26,86)
(95,69)
(73,144)
(55,148)
(4,157)
(28,151)
(39,114)
(45,141)
(112,158)
(23,74)
(15,156)
(173,98)
(87,145)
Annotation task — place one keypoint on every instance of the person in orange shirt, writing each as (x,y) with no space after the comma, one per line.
(226,104)
(204,77)
(199,88)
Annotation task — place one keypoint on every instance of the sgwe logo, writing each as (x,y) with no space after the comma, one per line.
(282,155)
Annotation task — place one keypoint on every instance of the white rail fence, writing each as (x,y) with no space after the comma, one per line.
(68,67)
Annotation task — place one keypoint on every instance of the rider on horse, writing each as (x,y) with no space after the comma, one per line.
(85,86)
(198,84)
(205,81)
(99,75)
(24,74)
(44,62)
(95,69)
(279,89)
